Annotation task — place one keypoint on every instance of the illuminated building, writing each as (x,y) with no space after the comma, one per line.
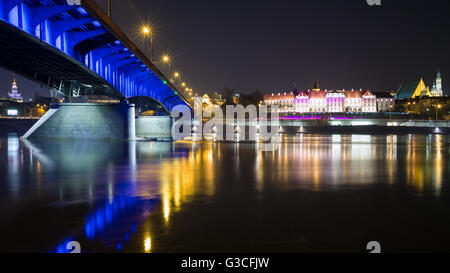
(302,102)
(237,98)
(411,90)
(385,102)
(15,94)
(211,104)
(324,101)
(436,91)
(285,101)
(317,100)
(369,102)
(423,106)
(335,102)
(353,100)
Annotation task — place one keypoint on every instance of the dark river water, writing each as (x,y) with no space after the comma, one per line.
(316,193)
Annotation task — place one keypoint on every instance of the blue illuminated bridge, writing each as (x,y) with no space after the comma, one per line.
(77,50)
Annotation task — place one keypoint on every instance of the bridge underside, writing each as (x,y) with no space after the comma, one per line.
(78,50)
(45,64)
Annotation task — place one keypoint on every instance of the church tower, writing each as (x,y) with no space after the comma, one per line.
(439,84)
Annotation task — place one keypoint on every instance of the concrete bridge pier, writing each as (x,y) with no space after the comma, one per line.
(86,121)
(154,127)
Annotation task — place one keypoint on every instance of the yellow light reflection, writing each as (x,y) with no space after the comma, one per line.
(166,207)
(148,244)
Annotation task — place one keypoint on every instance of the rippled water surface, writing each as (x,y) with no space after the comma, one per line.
(316,193)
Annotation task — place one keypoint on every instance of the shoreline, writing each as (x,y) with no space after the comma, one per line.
(21,126)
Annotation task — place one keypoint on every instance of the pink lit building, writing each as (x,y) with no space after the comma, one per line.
(324,101)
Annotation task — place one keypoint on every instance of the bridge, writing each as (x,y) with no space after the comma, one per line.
(77,50)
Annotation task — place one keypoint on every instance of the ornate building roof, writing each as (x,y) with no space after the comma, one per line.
(335,94)
(279,96)
(413,89)
(318,94)
(368,94)
(353,94)
(302,94)
(383,95)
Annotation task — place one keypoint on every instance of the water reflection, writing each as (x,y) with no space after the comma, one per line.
(112,223)
(129,196)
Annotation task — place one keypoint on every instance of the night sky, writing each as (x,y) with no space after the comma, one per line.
(272,45)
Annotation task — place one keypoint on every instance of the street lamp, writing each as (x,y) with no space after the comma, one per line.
(166,60)
(146,30)
(109,8)
(390,114)
(437,109)
(177,76)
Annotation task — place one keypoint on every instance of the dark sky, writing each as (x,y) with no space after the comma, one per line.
(271,44)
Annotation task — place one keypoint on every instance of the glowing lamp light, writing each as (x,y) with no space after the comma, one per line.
(148,243)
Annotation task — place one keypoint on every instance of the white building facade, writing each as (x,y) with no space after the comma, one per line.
(324,101)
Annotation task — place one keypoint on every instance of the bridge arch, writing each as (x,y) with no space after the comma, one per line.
(145,104)
(67,47)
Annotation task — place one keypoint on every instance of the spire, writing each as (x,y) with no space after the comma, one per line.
(15,94)
(439,74)
(316,85)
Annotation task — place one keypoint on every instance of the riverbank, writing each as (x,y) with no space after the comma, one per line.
(21,126)
(365,129)
(15,125)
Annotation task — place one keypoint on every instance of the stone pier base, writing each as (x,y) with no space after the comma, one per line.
(154,126)
(86,121)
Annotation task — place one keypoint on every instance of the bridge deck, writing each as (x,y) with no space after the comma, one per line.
(78,50)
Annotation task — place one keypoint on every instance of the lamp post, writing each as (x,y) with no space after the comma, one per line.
(390,113)
(176,75)
(148,31)
(437,109)
(166,60)
(109,8)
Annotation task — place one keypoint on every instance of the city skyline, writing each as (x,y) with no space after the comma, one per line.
(331,133)
(43,91)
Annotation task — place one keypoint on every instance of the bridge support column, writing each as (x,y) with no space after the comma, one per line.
(86,121)
(154,127)
(131,116)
